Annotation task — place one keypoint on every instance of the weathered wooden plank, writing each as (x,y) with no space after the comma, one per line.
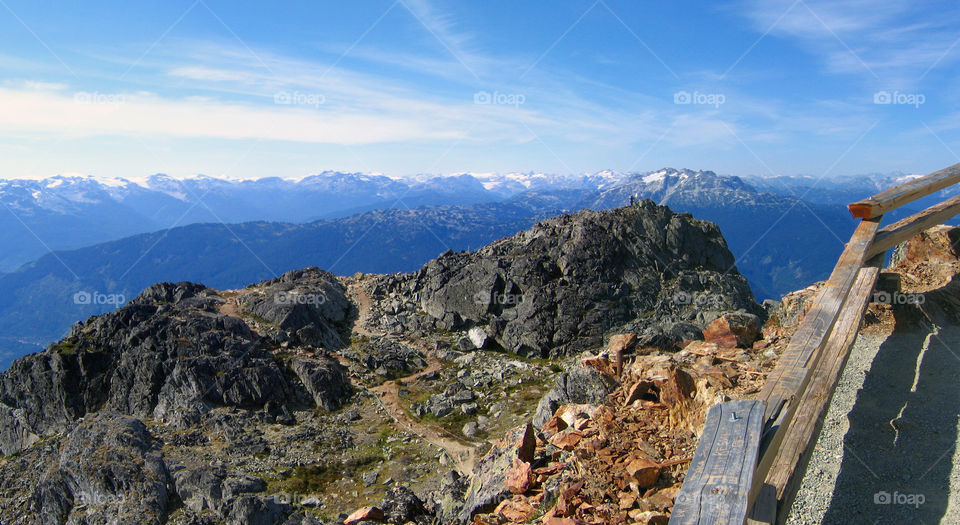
(765,507)
(812,333)
(908,192)
(778,397)
(791,457)
(894,234)
(717,484)
(792,374)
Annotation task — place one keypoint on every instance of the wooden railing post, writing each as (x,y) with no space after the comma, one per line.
(753,453)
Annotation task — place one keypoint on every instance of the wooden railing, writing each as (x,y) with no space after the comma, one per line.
(752,453)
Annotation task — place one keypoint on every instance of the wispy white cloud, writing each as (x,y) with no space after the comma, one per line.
(443,25)
(228,97)
(214,90)
(892,40)
(36,85)
(444,28)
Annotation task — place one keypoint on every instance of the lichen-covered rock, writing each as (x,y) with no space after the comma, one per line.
(669,336)
(325,379)
(447,501)
(579,385)
(171,354)
(388,358)
(213,488)
(15,432)
(401,506)
(109,473)
(253,510)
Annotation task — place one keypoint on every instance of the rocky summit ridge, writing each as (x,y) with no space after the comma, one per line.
(300,399)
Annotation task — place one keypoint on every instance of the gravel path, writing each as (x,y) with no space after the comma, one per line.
(888,450)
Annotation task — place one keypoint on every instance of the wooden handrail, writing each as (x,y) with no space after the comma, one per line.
(794,453)
(902,230)
(743,465)
(718,481)
(897,196)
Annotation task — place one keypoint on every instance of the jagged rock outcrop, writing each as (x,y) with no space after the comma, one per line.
(387,358)
(488,482)
(170,354)
(309,306)
(324,379)
(556,289)
(109,472)
(402,506)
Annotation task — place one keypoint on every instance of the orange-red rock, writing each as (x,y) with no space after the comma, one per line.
(567,439)
(649,517)
(520,478)
(644,471)
(621,342)
(560,521)
(733,330)
(364,514)
(517,509)
(637,391)
(554,425)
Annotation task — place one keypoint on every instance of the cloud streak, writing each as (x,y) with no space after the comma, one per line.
(864,37)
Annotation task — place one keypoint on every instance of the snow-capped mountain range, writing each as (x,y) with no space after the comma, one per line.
(71,193)
(102,219)
(62,192)
(70,211)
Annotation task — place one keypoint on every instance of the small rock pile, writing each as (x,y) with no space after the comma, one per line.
(623,458)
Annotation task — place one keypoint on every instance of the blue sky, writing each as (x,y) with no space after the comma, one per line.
(248,89)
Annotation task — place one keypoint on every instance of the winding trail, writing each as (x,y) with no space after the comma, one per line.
(462,454)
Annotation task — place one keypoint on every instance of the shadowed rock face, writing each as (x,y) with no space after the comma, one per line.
(556,289)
